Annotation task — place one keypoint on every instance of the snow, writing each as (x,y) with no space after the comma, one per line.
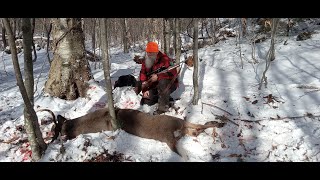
(293,80)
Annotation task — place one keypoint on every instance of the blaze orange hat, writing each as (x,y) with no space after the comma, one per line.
(152,47)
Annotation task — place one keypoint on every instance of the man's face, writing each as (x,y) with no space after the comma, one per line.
(150,58)
(152,55)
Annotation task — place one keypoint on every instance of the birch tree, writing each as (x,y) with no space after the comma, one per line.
(106,69)
(69,71)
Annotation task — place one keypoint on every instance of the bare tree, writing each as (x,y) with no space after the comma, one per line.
(14,27)
(93,35)
(125,35)
(174,29)
(106,69)
(4,40)
(48,31)
(166,35)
(195,62)
(178,40)
(271,53)
(213,28)
(38,146)
(69,71)
(244,26)
(171,35)
(33,25)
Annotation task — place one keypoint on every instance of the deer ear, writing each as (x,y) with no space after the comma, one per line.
(61,119)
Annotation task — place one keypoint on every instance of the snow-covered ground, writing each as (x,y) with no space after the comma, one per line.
(261,134)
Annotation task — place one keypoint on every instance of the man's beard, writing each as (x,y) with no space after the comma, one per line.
(150,61)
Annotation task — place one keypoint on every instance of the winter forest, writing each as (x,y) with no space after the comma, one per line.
(248,90)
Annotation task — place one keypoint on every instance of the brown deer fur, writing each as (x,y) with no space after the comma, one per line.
(157,127)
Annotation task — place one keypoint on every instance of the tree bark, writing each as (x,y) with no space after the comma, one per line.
(69,71)
(48,42)
(125,35)
(4,40)
(33,22)
(166,35)
(244,26)
(14,27)
(93,36)
(178,41)
(106,69)
(195,62)
(171,30)
(38,146)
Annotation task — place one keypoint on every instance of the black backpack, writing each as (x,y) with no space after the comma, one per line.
(128,80)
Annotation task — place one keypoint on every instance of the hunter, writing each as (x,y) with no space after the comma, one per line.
(157,87)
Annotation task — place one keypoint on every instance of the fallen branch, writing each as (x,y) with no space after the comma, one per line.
(10,140)
(223,118)
(278,118)
(218,108)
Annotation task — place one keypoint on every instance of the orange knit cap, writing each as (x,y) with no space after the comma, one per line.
(152,47)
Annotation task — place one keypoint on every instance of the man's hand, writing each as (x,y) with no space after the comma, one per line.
(145,94)
(154,78)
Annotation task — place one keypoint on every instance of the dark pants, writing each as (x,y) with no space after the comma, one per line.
(159,95)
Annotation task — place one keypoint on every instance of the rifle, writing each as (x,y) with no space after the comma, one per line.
(162,70)
(159,71)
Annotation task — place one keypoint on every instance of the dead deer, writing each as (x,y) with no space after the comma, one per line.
(157,127)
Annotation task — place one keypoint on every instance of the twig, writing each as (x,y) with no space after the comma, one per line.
(201,108)
(217,108)
(224,119)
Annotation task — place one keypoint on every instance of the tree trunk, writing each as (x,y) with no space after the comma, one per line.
(171,34)
(195,62)
(93,36)
(244,26)
(174,32)
(48,42)
(271,53)
(14,27)
(18,26)
(4,40)
(93,40)
(33,22)
(106,69)
(38,146)
(178,41)
(202,28)
(69,71)
(124,35)
(213,29)
(166,35)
